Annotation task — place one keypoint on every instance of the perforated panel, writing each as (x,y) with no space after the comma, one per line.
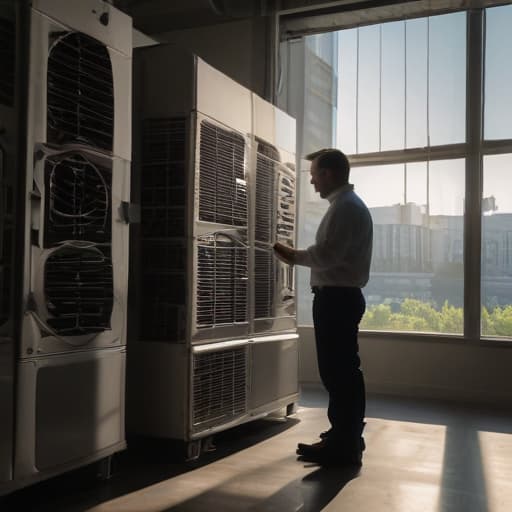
(78,288)
(219,387)
(221,280)
(222,181)
(80,91)
(163,252)
(78,200)
(163,178)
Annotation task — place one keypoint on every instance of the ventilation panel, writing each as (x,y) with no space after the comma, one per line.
(163,295)
(264,283)
(286,209)
(221,281)
(78,289)
(78,199)
(163,191)
(265,210)
(8,60)
(80,92)
(222,182)
(219,387)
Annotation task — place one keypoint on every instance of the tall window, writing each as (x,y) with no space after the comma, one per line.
(400,113)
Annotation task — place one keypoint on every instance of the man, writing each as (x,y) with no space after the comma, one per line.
(340,264)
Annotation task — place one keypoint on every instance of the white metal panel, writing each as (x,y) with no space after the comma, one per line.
(223,99)
(69,408)
(263,125)
(86,16)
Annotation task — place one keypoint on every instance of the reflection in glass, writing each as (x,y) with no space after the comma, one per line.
(498,75)
(347,91)
(496,286)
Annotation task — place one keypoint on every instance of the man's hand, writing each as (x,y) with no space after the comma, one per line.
(285,253)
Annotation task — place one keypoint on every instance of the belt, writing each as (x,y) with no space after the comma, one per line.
(317,289)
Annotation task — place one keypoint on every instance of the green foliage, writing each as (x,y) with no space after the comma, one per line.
(418,316)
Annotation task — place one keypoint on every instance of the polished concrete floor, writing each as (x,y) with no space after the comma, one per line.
(421,457)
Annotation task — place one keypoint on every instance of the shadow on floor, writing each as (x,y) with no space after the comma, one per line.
(145,463)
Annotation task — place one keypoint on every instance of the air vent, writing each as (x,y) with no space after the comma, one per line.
(8,60)
(264,283)
(221,281)
(222,183)
(286,209)
(163,291)
(219,387)
(78,289)
(265,209)
(80,92)
(163,191)
(78,200)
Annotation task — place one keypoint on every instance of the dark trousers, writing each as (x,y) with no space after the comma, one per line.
(337,312)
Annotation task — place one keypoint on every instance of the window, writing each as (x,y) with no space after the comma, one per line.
(400,113)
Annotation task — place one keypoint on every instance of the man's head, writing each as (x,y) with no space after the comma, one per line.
(329,170)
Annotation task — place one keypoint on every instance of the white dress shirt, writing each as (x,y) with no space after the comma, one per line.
(342,252)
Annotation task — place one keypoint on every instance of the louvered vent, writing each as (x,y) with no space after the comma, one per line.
(78,288)
(78,202)
(163,192)
(265,210)
(8,60)
(221,281)
(80,92)
(163,290)
(222,183)
(264,283)
(286,209)
(219,387)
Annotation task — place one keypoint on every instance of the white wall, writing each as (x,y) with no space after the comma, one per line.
(426,367)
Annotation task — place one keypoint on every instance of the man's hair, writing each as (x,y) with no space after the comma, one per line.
(333,159)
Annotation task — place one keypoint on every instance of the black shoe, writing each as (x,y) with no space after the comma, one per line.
(326,434)
(332,453)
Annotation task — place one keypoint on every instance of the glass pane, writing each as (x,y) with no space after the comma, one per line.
(416,80)
(498,73)
(347,91)
(447,78)
(368,101)
(416,281)
(393,86)
(497,246)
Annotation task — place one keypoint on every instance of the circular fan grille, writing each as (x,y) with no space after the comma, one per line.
(80,92)
(78,200)
(78,288)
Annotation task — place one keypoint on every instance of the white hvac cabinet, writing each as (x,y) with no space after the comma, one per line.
(199,278)
(70,278)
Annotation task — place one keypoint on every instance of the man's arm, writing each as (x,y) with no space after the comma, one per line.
(285,253)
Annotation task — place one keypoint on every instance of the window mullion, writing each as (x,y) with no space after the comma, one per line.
(474,132)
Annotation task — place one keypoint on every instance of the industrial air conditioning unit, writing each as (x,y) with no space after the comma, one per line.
(69,401)
(190,358)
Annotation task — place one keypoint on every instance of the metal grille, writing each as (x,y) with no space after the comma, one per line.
(219,387)
(286,209)
(80,92)
(222,183)
(265,186)
(78,287)
(78,200)
(163,192)
(264,283)
(8,60)
(221,280)
(163,295)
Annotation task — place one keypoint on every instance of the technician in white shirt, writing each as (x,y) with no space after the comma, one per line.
(340,265)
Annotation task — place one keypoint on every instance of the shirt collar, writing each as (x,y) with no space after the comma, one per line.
(348,187)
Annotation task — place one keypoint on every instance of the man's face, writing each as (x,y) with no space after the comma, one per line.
(320,179)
